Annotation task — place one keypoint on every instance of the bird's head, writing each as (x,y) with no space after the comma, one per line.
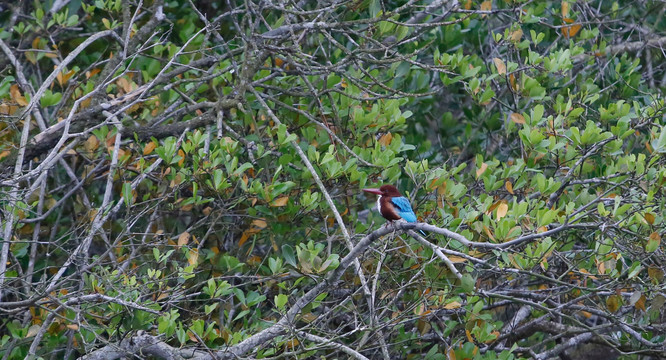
(385,190)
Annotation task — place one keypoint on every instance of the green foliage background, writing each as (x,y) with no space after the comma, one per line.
(190,199)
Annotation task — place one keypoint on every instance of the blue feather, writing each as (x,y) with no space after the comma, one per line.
(404,209)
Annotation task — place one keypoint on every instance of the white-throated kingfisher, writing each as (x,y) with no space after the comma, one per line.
(392,205)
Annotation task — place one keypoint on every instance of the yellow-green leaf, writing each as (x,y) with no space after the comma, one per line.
(653,242)
(499,64)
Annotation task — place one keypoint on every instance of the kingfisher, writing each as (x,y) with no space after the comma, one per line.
(392,205)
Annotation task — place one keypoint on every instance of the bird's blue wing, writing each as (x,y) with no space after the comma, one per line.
(404,208)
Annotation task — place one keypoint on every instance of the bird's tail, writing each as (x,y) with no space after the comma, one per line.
(421,231)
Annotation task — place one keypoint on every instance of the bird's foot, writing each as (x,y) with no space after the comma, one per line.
(392,224)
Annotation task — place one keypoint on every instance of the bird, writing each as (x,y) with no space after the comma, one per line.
(392,205)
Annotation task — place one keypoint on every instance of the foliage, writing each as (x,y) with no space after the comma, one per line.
(184,178)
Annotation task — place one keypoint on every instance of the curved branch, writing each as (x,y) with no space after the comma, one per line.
(141,344)
(281,326)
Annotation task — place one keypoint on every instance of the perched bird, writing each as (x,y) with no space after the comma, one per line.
(392,205)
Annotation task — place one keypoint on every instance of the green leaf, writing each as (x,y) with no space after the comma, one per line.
(537,114)
(289,256)
(127,194)
(281,300)
(210,308)
(467,283)
(49,98)
(241,314)
(653,242)
(659,145)
(634,270)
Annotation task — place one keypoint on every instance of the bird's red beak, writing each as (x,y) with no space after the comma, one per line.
(374,191)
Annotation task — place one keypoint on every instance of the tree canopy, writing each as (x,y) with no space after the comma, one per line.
(182,179)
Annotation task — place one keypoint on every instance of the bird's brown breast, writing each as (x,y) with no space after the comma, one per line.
(387,209)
